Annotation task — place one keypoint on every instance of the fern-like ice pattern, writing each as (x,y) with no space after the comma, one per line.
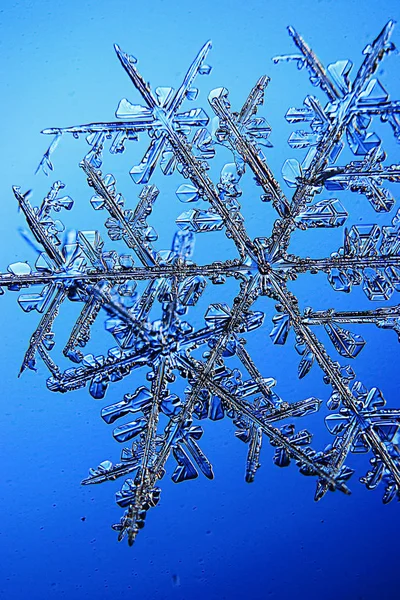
(152,421)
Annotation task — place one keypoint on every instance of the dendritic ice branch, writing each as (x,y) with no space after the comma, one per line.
(144,295)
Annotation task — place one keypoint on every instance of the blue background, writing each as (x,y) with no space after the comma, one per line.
(218,539)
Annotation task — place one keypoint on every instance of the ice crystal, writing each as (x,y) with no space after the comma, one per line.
(152,420)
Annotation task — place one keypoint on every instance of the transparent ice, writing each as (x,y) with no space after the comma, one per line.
(152,421)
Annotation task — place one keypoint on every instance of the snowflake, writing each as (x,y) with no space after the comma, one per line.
(107,282)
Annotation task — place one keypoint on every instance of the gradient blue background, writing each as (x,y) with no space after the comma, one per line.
(217,540)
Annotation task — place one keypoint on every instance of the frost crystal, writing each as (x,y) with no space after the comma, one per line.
(152,420)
